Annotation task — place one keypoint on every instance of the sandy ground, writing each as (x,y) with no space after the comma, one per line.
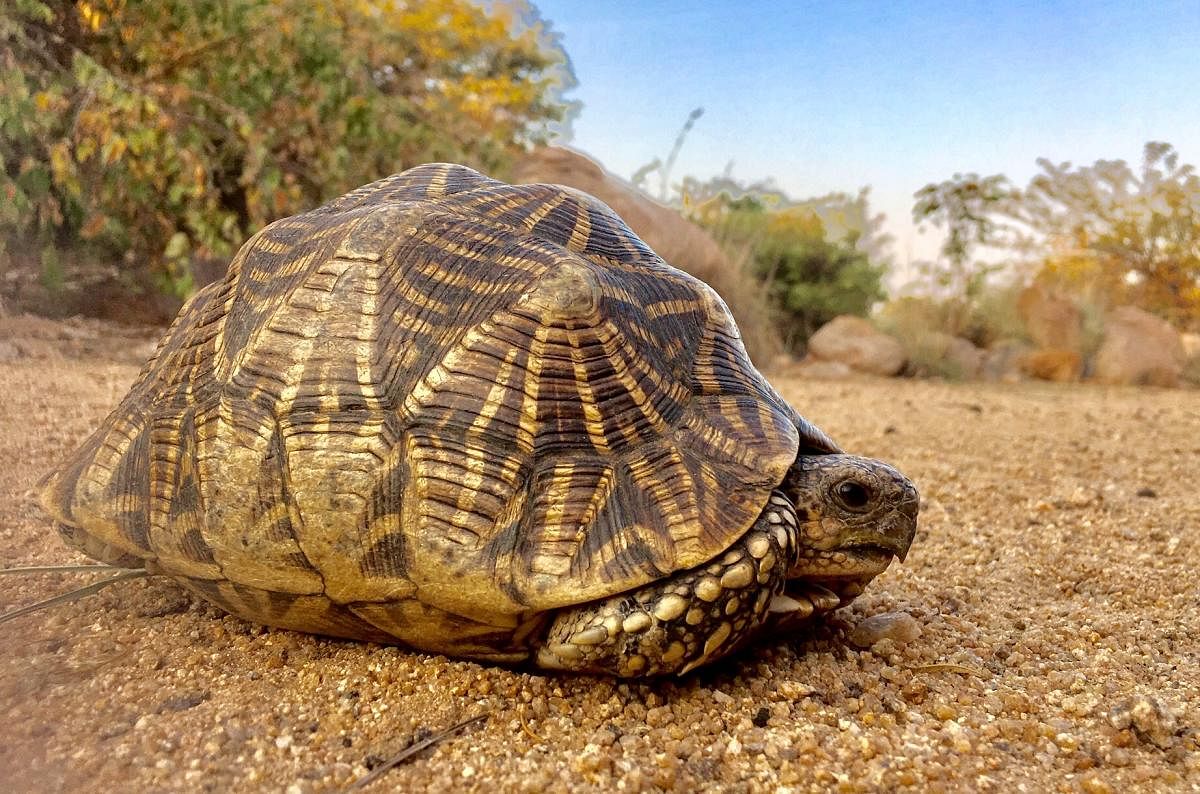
(1055,580)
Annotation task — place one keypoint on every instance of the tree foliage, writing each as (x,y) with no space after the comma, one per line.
(157,132)
(1122,235)
(808,278)
(970,209)
(1107,233)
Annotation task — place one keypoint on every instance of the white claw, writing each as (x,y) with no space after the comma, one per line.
(823,597)
(787,604)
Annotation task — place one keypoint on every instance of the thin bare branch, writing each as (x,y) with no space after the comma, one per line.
(65,569)
(412,750)
(73,595)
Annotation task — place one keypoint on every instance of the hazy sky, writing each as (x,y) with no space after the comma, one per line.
(837,95)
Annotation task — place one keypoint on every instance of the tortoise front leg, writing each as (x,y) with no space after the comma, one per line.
(685,620)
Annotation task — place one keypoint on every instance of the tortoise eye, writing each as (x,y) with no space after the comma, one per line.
(853,495)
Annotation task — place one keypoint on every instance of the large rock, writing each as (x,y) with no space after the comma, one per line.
(959,358)
(1139,348)
(1002,360)
(1052,322)
(1191,351)
(679,241)
(856,343)
(1059,366)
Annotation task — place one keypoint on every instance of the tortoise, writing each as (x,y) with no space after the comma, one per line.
(483,420)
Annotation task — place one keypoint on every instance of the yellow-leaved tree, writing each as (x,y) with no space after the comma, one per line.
(153,135)
(1117,235)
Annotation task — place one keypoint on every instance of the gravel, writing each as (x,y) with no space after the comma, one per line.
(1054,583)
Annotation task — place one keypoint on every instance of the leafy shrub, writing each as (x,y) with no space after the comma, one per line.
(158,133)
(807,279)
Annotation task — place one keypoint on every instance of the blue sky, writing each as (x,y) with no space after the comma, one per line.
(834,96)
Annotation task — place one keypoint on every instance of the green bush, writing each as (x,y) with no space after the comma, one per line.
(807,279)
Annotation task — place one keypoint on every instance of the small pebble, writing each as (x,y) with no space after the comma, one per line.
(1095,785)
(183,701)
(1149,720)
(899,627)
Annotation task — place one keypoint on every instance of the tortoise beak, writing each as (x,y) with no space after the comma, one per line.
(874,541)
(895,532)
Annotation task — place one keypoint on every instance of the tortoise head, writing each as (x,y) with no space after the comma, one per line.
(854,515)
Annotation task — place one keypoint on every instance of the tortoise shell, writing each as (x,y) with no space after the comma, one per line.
(437,393)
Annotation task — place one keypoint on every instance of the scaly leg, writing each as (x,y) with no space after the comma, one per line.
(688,619)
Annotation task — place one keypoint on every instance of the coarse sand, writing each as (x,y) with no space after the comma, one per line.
(1055,580)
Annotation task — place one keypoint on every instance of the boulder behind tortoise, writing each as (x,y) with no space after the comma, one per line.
(1138,349)
(858,344)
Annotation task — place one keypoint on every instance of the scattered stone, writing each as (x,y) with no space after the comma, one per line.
(1149,720)
(899,627)
(118,728)
(1094,784)
(888,720)
(795,690)
(183,701)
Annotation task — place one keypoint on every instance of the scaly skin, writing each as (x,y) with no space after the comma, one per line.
(833,525)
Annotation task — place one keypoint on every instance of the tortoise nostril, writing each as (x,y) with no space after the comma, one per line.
(853,495)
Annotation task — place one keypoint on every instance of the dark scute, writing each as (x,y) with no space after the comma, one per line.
(385,557)
(133,478)
(195,547)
